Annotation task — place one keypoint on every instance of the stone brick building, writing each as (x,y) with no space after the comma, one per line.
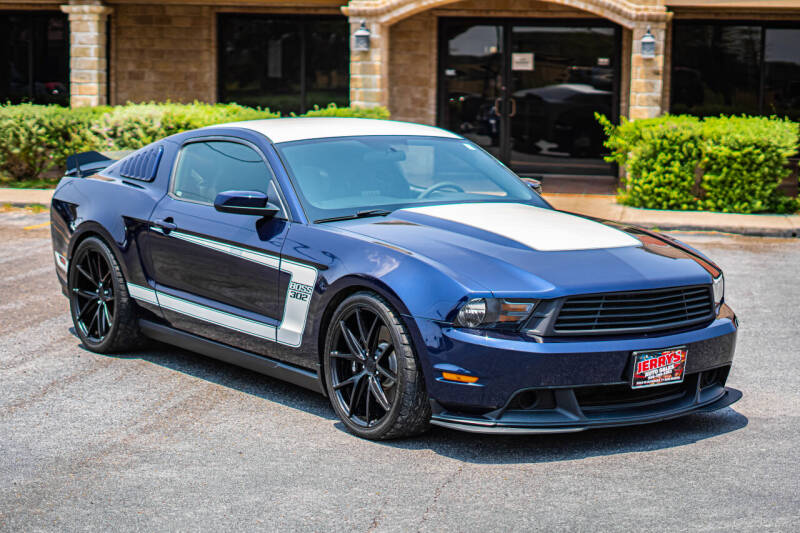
(521,77)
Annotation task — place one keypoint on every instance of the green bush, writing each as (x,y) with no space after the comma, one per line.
(35,139)
(728,164)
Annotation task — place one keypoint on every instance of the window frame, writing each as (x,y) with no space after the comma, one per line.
(280,202)
(763,26)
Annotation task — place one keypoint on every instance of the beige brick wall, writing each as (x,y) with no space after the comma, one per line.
(163,53)
(412,67)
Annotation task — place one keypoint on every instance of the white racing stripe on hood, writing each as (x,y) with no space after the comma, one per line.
(538,228)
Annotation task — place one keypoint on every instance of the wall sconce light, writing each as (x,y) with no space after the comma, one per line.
(648,45)
(361,38)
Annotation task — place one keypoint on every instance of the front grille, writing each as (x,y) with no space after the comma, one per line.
(636,311)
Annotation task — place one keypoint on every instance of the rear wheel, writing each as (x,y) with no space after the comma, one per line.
(102,310)
(371,373)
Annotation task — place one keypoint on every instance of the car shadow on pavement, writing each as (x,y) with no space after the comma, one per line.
(230,376)
(468,447)
(546,448)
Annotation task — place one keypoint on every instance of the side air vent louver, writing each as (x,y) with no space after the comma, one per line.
(142,165)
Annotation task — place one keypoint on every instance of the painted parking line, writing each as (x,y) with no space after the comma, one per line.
(36,226)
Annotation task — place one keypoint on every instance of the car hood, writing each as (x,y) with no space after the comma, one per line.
(519,249)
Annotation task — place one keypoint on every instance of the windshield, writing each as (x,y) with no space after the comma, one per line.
(346,175)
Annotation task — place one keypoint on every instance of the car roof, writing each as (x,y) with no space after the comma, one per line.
(280,130)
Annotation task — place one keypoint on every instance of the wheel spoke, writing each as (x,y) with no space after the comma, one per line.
(377,391)
(352,341)
(349,381)
(354,396)
(346,356)
(85,294)
(109,317)
(94,320)
(366,409)
(370,333)
(101,321)
(86,275)
(86,308)
(99,265)
(360,324)
(388,375)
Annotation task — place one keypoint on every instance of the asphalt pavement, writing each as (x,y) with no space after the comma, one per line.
(164,440)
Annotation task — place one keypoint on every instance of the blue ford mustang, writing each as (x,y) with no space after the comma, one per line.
(396,268)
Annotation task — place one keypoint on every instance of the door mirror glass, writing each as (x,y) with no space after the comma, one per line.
(245,203)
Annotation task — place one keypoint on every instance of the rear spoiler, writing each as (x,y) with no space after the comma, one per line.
(88,163)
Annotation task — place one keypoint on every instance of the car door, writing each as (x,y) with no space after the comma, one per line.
(217,274)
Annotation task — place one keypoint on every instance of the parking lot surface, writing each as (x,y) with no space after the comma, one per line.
(163,439)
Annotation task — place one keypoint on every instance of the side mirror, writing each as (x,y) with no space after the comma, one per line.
(245,203)
(534,184)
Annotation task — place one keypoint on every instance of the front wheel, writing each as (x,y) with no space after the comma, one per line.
(371,374)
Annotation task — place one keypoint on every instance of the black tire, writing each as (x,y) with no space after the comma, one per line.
(389,345)
(105,323)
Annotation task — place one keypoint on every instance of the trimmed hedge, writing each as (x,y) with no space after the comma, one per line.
(728,164)
(35,138)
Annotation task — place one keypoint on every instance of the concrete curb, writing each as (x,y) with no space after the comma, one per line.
(605,207)
(23,197)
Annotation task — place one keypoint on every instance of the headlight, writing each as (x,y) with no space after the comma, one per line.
(719,289)
(485,312)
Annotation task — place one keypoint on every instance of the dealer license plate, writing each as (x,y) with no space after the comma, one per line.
(658,367)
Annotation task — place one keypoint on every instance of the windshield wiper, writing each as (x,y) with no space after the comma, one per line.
(359,214)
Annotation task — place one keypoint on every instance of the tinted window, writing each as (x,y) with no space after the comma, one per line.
(206,169)
(782,75)
(716,69)
(735,68)
(34,60)
(287,64)
(342,176)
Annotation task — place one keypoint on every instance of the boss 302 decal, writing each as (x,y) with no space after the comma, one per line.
(295,311)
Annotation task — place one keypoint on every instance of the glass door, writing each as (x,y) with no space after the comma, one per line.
(528,91)
(471,81)
(560,76)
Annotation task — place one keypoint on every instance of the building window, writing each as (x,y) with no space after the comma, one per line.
(735,68)
(288,64)
(34,49)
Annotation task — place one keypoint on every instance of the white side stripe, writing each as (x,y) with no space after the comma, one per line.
(220,318)
(250,255)
(144,294)
(298,296)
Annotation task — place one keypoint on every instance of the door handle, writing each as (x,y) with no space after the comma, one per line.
(165,224)
(513,107)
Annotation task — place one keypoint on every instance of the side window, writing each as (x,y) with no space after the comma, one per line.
(208,168)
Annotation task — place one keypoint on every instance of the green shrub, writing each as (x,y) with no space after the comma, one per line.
(34,138)
(744,161)
(660,156)
(356,112)
(729,164)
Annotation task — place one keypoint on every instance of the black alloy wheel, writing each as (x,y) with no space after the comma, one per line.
(93,295)
(371,371)
(102,311)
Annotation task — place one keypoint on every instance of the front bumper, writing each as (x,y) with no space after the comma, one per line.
(567,415)
(577,384)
